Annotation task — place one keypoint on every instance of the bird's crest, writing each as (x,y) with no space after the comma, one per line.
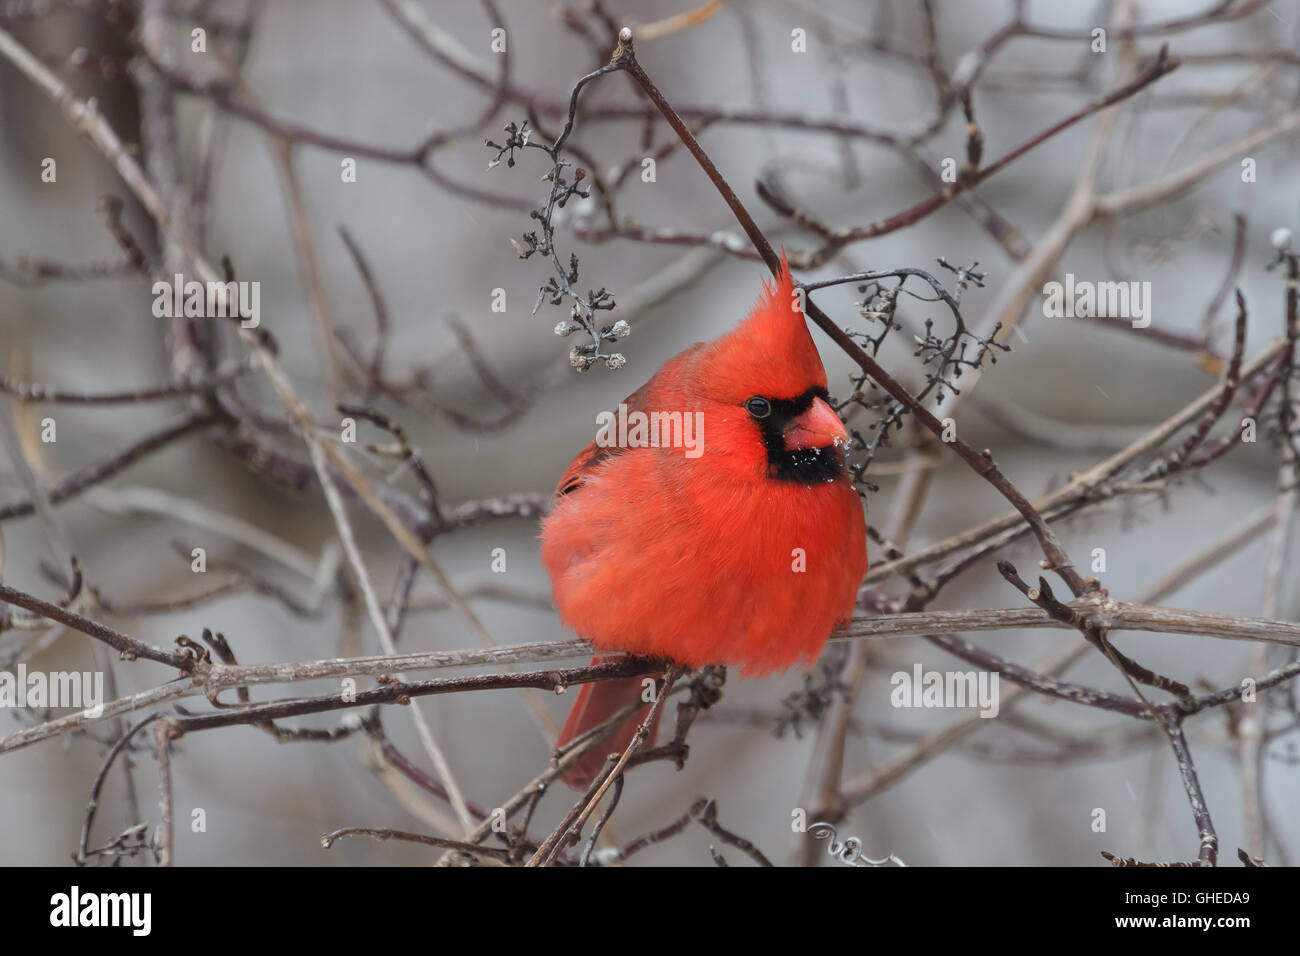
(771,352)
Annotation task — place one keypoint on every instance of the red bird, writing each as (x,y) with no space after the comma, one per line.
(745,549)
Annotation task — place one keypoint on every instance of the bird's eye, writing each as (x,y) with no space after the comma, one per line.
(758,407)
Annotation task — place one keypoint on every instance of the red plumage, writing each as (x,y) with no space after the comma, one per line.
(748,555)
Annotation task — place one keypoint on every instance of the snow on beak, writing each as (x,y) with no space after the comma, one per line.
(818,427)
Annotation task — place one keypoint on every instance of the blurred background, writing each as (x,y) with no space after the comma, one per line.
(436,235)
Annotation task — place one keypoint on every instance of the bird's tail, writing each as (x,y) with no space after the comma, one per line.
(596,703)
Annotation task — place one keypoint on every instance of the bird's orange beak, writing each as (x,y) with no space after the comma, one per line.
(816,428)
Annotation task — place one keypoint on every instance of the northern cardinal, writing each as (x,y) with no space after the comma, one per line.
(747,550)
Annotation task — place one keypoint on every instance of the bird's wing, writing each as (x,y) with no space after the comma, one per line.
(581,467)
(594,455)
(576,474)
